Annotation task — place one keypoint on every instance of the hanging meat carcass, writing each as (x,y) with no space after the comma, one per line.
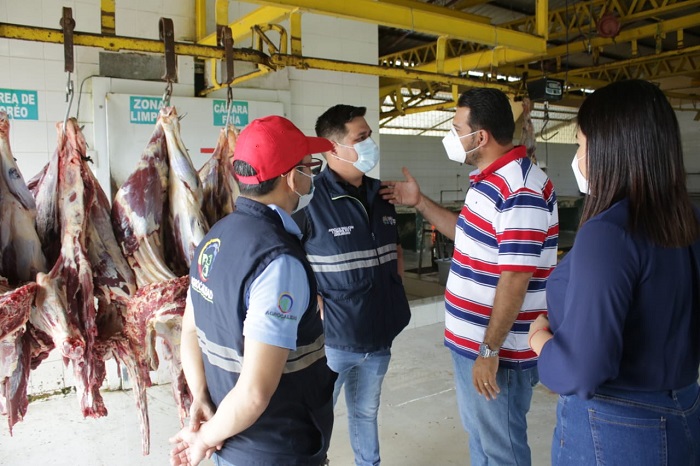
(138,209)
(20,249)
(157,213)
(15,351)
(187,223)
(218,184)
(67,292)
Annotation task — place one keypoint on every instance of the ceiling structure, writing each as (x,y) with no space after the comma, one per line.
(588,44)
(442,47)
(432,50)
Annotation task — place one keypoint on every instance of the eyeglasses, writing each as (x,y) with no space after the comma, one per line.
(315,166)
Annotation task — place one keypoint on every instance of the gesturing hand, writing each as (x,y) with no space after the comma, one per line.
(401,192)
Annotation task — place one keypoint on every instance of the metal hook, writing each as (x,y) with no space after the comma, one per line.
(165,100)
(69,99)
(546,122)
(229,106)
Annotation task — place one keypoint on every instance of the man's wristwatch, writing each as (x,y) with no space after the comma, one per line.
(486,352)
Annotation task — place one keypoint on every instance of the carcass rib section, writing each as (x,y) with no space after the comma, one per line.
(137,213)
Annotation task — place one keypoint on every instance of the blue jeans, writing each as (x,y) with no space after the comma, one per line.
(362,374)
(219,461)
(620,427)
(497,428)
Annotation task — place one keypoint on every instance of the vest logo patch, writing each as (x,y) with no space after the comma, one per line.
(388,220)
(341,231)
(205,261)
(206,258)
(284,307)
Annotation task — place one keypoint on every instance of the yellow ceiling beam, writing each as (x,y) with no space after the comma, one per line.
(652,30)
(242,27)
(479,60)
(501,55)
(404,15)
(437,9)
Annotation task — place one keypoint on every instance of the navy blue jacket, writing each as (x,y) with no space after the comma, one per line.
(295,428)
(352,252)
(624,312)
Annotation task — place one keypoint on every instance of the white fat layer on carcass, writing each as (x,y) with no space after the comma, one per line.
(49,315)
(185,191)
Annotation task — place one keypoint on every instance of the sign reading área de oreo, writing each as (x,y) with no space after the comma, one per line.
(19,104)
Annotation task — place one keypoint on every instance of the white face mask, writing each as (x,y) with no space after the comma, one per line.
(367,155)
(454,148)
(304,199)
(581,180)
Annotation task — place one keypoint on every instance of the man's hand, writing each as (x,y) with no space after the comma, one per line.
(402,192)
(484,377)
(189,448)
(200,411)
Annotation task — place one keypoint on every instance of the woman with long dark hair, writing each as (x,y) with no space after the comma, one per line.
(621,344)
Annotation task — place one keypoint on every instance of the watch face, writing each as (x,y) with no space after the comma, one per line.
(486,352)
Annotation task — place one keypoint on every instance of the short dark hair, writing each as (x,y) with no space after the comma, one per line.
(490,110)
(634,151)
(331,125)
(252,190)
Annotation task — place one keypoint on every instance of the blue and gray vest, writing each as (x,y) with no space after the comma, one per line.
(295,428)
(353,255)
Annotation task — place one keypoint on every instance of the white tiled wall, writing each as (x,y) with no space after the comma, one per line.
(427,161)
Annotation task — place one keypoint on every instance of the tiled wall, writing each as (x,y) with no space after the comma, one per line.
(426,159)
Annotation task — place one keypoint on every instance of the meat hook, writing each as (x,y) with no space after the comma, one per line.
(69,99)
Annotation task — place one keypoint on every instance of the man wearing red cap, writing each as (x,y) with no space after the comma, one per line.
(252,338)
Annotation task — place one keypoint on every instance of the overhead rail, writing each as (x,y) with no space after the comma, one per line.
(273,61)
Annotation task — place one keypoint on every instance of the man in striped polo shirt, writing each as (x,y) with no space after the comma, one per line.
(505,247)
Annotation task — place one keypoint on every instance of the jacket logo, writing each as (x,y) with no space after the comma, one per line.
(341,231)
(388,220)
(206,258)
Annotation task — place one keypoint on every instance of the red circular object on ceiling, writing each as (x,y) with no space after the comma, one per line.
(608,25)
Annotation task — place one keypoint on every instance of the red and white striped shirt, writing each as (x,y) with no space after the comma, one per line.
(509,222)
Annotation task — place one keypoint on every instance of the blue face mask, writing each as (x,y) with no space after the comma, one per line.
(367,155)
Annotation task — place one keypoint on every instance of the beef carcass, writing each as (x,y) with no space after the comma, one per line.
(155,310)
(21,257)
(137,213)
(114,281)
(15,353)
(68,290)
(219,187)
(187,223)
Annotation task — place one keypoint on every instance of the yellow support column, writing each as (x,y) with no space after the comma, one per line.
(295,22)
(108,17)
(542,18)
(200,14)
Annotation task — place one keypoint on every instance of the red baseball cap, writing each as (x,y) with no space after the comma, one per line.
(272,146)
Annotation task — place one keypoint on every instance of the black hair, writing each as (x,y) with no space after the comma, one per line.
(634,151)
(241,168)
(331,125)
(490,110)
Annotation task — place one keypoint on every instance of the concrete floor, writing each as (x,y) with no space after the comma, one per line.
(419,423)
